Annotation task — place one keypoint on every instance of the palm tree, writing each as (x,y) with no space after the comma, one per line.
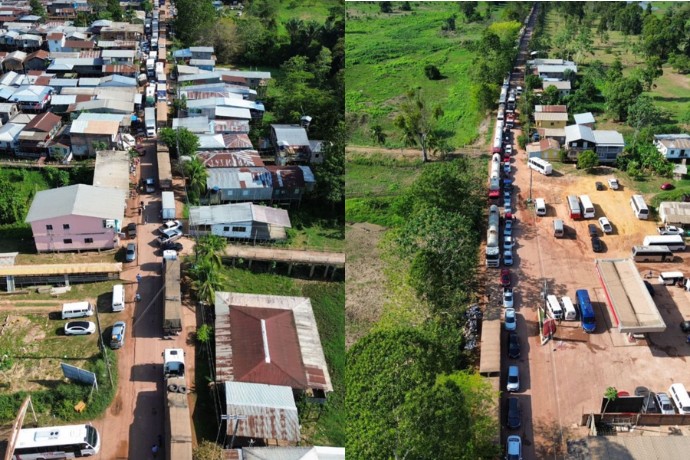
(209,247)
(611,394)
(207,280)
(196,175)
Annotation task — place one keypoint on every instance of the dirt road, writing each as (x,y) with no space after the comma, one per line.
(135,420)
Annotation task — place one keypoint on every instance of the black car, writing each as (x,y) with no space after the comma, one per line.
(599,186)
(593,230)
(514,413)
(131,230)
(597,245)
(171,245)
(649,405)
(685,326)
(513,345)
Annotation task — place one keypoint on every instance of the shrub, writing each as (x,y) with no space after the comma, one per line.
(432,72)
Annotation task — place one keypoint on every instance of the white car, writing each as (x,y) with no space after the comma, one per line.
(664,404)
(173,235)
(169,226)
(510,320)
(513,383)
(508,257)
(79,328)
(508,297)
(613,183)
(605,225)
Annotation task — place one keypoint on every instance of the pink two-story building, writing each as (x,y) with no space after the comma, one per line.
(77,218)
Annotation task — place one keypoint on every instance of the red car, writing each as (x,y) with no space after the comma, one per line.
(667,186)
(505,277)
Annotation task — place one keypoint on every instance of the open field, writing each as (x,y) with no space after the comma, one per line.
(386,56)
(306,10)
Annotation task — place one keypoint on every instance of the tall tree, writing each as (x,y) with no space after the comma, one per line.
(643,113)
(37,8)
(188,141)
(619,93)
(417,120)
(193,18)
(196,175)
(587,160)
(330,175)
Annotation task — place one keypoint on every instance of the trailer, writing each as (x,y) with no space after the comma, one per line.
(150,121)
(168,206)
(495,176)
(178,424)
(492,248)
(164,167)
(172,310)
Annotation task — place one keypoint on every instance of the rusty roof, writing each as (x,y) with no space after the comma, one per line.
(79,44)
(237,141)
(289,177)
(268,411)
(225,159)
(44,122)
(269,339)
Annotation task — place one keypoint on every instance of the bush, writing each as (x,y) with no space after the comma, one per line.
(522,140)
(432,72)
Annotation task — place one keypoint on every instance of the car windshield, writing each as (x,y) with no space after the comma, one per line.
(78,324)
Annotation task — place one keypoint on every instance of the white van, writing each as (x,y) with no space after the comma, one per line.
(554,307)
(680,397)
(118,297)
(670,278)
(540,206)
(569,308)
(558,230)
(76,310)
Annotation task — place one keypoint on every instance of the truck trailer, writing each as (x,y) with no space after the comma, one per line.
(178,424)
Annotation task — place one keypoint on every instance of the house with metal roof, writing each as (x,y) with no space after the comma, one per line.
(563,87)
(550,119)
(239,184)
(76,218)
(230,158)
(243,221)
(586,119)
(32,97)
(224,142)
(269,339)
(261,412)
(7,111)
(87,134)
(606,143)
(197,125)
(675,213)
(547,149)
(292,145)
(9,136)
(673,146)
(293,453)
(230,126)
(34,139)
(102,106)
(14,61)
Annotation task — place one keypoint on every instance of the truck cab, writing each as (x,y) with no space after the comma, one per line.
(173,362)
(670,230)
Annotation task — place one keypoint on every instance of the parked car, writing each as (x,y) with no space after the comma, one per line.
(613,183)
(170,226)
(506,168)
(505,277)
(508,210)
(513,379)
(150,185)
(508,257)
(171,246)
(605,225)
(593,231)
(685,326)
(509,149)
(667,186)
(508,227)
(514,413)
(664,404)
(79,328)
(169,237)
(507,241)
(507,195)
(508,297)
(597,245)
(131,230)
(131,253)
(117,336)
(514,448)
(510,320)
(649,405)
(599,186)
(513,345)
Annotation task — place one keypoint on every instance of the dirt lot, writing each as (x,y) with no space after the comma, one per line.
(567,377)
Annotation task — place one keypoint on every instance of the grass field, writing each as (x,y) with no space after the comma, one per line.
(306,10)
(386,56)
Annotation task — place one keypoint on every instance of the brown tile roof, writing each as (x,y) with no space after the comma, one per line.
(43,80)
(43,122)
(55,36)
(90,53)
(285,365)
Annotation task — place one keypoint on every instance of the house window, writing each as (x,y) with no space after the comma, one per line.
(226,229)
(239,229)
(88,240)
(245,192)
(67,241)
(65,226)
(49,227)
(584,144)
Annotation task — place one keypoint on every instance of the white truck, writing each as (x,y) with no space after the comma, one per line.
(670,230)
(168,206)
(150,121)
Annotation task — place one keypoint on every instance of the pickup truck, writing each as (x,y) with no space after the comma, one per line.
(669,230)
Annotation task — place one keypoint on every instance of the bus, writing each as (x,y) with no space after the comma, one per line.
(574,207)
(589,323)
(674,242)
(540,165)
(587,207)
(639,207)
(67,441)
(652,254)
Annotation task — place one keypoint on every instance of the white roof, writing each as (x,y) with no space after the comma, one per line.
(606,137)
(10,131)
(583,118)
(236,213)
(577,132)
(78,200)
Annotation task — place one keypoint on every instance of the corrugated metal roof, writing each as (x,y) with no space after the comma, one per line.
(79,200)
(10,131)
(59,269)
(675,212)
(236,213)
(294,453)
(239,178)
(291,134)
(550,116)
(583,118)
(195,124)
(270,410)
(230,159)
(578,132)
(65,99)
(291,333)
(607,137)
(233,112)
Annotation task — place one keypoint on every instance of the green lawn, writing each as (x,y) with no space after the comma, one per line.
(306,10)
(386,56)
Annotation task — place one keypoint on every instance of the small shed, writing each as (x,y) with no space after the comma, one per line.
(675,213)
